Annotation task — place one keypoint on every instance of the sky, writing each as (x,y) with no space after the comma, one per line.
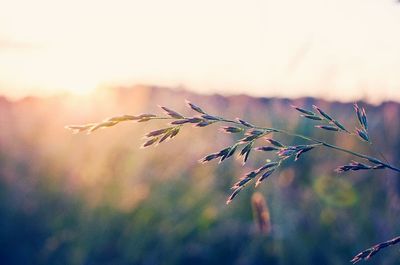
(339,49)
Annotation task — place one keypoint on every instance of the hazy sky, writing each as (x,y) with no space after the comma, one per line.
(343,49)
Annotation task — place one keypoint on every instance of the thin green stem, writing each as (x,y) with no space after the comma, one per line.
(372,148)
(338,148)
(307,138)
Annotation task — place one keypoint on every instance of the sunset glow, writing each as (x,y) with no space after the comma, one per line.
(200,132)
(335,49)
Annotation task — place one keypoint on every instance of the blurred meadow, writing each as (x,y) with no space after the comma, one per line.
(99,199)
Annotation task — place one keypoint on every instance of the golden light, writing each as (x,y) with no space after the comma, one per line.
(338,49)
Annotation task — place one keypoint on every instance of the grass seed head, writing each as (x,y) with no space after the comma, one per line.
(195,120)
(179,122)
(340,126)
(172,113)
(267,148)
(231,129)
(165,136)
(150,142)
(233,195)
(157,132)
(195,107)
(122,118)
(102,125)
(245,123)
(362,134)
(209,158)
(264,176)
(307,112)
(242,182)
(275,142)
(246,151)
(364,119)
(312,117)
(323,113)
(80,128)
(204,123)
(210,117)
(327,127)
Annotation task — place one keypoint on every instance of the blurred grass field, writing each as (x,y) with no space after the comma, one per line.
(99,199)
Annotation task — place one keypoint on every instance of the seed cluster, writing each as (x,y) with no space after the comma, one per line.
(249,141)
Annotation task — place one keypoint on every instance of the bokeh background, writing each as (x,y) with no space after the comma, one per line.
(99,199)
